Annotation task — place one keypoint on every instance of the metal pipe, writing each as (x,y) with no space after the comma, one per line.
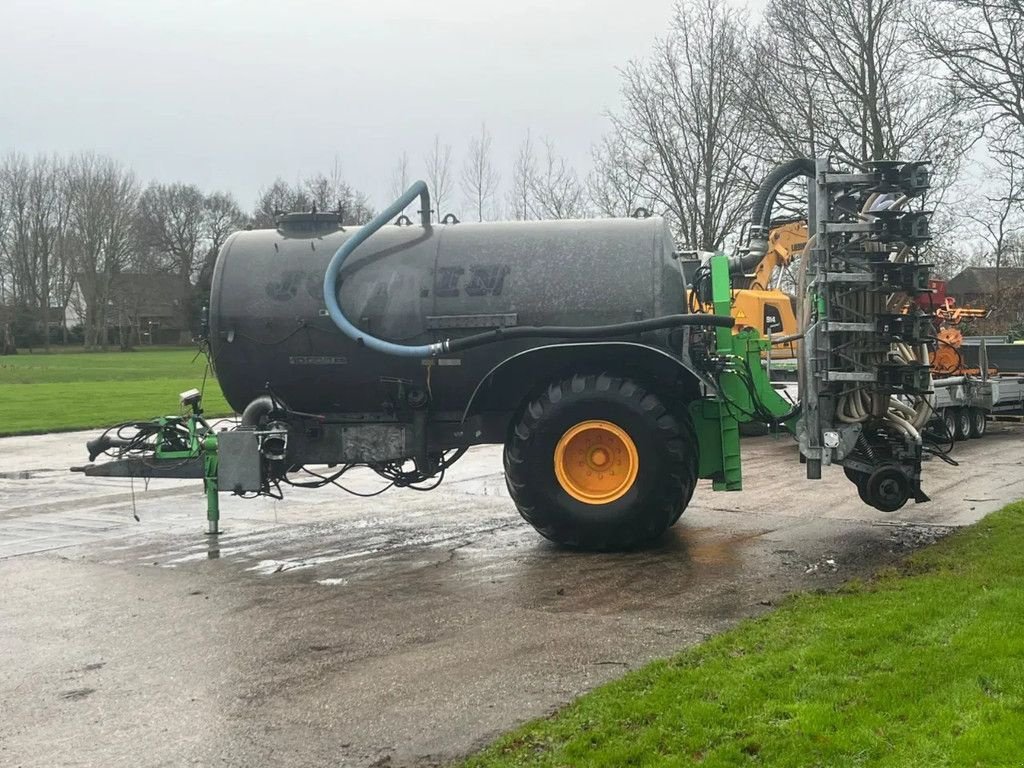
(256,410)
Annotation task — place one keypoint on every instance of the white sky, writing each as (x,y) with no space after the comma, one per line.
(229,95)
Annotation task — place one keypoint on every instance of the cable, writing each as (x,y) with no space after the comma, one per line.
(391,471)
(700,291)
(333,480)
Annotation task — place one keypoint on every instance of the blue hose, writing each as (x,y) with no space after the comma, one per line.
(418,189)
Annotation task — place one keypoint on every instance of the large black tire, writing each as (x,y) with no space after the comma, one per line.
(666,475)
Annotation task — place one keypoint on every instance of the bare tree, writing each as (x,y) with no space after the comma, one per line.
(556,189)
(7,341)
(32,241)
(317,192)
(15,177)
(618,184)
(480,178)
(15,246)
(170,222)
(524,170)
(280,197)
(1013,250)
(1001,220)
(400,176)
(841,77)
(955,244)
(50,208)
(979,47)
(221,217)
(439,173)
(103,199)
(688,132)
(332,193)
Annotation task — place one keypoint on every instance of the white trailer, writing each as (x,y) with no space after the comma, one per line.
(965,403)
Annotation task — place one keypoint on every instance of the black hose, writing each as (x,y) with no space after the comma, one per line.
(764,198)
(761,210)
(586,332)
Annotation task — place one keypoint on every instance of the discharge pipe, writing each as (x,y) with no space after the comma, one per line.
(761,211)
(419,189)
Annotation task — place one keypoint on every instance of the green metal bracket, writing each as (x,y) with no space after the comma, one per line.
(200,444)
(744,393)
(167,435)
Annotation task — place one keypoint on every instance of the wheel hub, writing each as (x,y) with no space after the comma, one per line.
(596,462)
(887,489)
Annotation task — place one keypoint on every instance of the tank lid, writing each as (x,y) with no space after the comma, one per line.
(308,222)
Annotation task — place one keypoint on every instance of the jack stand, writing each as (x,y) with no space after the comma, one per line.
(210,485)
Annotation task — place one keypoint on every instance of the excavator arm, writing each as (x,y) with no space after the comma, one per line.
(785,242)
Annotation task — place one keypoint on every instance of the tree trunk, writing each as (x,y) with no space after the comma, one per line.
(7,346)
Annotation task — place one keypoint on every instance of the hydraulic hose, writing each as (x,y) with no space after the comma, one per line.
(419,189)
(761,210)
(585,331)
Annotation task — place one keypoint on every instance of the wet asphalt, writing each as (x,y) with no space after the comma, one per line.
(404,630)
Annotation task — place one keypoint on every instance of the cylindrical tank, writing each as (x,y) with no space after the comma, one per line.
(415,285)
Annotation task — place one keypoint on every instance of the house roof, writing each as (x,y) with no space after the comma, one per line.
(975,280)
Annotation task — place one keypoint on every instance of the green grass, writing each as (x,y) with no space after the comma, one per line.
(78,390)
(920,667)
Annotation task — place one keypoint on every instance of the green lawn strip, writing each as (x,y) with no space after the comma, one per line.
(59,392)
(38,408)
(923,666)
(69,366)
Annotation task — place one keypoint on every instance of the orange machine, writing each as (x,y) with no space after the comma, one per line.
(760,306)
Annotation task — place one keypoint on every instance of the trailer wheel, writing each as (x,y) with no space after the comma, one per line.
(979,422)
(598,462)
(949,423)
(963,423)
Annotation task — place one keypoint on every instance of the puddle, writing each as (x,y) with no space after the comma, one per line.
(22,474)
(31,474)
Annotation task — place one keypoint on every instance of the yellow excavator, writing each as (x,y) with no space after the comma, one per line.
(770,310)
(756,303)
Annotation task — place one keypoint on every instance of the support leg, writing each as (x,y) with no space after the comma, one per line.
(210,485)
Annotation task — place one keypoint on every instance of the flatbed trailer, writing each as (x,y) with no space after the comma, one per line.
(963,404)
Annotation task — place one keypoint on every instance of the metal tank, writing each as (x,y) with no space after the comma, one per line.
(270,332)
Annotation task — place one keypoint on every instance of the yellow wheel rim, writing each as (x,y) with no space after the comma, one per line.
(596,462)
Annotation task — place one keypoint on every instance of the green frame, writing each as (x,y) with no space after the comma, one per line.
(717,416)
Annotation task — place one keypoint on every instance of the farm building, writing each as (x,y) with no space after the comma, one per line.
(153,305)
(977,286)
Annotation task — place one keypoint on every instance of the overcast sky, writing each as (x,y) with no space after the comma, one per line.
(229,95)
